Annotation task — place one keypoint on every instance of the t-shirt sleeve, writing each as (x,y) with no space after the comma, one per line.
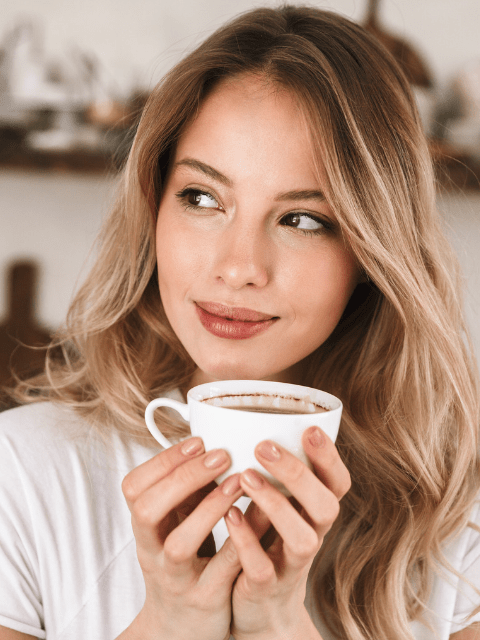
(468,595)
(20,597)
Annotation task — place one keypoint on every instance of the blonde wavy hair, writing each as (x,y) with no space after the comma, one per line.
(399,358)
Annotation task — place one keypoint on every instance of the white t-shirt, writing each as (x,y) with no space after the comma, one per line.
(68,565)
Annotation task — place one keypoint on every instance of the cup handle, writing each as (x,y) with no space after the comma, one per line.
(183,410)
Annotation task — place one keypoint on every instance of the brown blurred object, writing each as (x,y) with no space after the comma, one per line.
(110,114)
(455,170)
(410,61)
(21,330)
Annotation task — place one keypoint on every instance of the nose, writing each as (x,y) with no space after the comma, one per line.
(242,257)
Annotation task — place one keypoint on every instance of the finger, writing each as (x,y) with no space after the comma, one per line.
(186,507)
(156,468)
(207,548)
(256,564)
(301,541)
(225,565)
(319,503)
(326,461)
(149,512)
(257,520)
(184,542)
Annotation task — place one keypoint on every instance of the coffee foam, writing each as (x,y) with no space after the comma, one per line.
(266,402)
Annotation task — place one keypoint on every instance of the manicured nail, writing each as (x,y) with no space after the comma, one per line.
(253,479)
(216,459)
(316,437)
(192,446)
(231,485)
(268,450)
(235,516)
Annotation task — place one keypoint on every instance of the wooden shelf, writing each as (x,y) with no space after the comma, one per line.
(77,161)
(454,170)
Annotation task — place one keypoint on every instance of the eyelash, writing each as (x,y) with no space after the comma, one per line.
(327,226)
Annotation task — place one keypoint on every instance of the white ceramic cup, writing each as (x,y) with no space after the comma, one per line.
(238,431)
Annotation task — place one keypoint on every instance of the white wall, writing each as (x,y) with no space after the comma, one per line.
(137,41)
(461,213)
(52,218)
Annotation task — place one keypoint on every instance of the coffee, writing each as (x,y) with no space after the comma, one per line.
(265,403)
(272,410)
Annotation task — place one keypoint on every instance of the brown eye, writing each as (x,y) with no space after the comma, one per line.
(201,199)
(303,221)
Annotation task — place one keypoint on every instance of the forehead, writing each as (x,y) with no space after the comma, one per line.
(249,120)
(246,98)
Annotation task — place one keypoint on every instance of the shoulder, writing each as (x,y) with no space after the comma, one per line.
(37,438)
(45,429)
(62,477)
(37,441)
(467,562)
(63,518)
(453,597)
(36,421)
(26,414)
(462,546)
(472,536)
(47,446)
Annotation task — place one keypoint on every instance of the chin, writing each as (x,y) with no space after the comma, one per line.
(236,371)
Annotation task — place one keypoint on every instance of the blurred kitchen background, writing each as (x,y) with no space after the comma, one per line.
(74,77)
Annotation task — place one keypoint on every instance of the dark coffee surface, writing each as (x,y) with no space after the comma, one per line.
(265,403)
(242,407)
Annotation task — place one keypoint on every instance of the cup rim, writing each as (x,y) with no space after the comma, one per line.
(213,389)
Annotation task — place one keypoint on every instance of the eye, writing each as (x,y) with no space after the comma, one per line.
(196,198)
(305,222)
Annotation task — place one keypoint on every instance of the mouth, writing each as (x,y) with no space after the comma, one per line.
(235,323)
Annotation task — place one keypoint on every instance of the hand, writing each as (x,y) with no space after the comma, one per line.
(268,596)
(173,511)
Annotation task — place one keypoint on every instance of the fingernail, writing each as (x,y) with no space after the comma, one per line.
(269,451)
(215,459)
(234,515)
(192,446)
(231,485)
(253,479)
(316,437)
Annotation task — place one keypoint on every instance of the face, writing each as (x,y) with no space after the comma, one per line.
(253,271)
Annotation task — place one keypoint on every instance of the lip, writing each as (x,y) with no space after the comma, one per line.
(233,313)
(235,323)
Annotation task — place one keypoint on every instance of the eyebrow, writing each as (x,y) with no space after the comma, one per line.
(206,169)
(309,194)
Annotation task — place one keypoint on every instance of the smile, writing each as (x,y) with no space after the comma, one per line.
(234,323)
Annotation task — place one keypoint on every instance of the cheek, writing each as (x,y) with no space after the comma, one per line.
(167,257)
(180,258)
(325,288)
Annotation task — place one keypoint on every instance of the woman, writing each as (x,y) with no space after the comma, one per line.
(279,175)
